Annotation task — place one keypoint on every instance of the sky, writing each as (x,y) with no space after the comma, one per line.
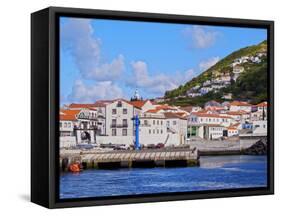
(107,59)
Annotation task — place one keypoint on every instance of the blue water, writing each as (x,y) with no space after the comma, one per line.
(215,173)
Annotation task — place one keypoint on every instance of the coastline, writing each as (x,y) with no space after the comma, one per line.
(163,157)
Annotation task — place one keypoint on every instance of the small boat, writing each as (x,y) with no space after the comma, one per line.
(75,167)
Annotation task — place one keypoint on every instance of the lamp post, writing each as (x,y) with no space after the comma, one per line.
(136,125)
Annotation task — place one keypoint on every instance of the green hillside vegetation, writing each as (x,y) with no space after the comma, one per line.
(251,84)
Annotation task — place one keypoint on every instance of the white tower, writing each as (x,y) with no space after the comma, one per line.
(136,95)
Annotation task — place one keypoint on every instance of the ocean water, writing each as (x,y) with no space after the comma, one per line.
(214,173)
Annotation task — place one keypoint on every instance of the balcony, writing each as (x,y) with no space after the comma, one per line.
(119,125)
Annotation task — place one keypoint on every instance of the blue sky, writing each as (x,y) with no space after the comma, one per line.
(106,59)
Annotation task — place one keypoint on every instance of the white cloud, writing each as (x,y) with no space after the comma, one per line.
(89,93)
(206,64)
(77,35)
(158,83)
(201,36)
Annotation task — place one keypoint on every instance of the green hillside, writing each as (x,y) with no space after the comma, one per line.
(251,85)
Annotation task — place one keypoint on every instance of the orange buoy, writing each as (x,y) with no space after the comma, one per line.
(75,167)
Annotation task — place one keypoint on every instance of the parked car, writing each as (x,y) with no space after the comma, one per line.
(160,145)
(151,146)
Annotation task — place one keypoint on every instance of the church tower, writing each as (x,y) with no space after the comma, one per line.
(136,96)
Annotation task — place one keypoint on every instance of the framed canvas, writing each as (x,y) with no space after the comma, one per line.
(138,107)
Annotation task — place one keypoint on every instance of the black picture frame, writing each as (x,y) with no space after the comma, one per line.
(45,106)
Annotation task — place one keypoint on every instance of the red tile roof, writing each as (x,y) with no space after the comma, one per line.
(187,108)
(139,104)
(79,106)
(211,115)
(152,111)
(173,115)
(165,107)
(240,112)
(262,104)
(239,103)
(69,115)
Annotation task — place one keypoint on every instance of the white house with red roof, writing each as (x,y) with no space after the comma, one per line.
(208,125)
(77,126)
(239,116)
(232,130)
(240,105)
(143,105)
(262,106)
(209,118)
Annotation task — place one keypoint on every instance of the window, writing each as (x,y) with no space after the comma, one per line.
(114,111)
(153,122)
(125,122)
(157,122)
(161,122)
(149,131)
(125,111)
(69,124)
(174,122)
(113,122)
(124,132)
(157,131)
(60,124)
(161,131)
(113,132)
(65,124)
(119,104)
(145,122)
(153,131)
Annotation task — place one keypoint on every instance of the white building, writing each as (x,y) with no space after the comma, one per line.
(207,118)
(207,82)
(260,127)
(239,105)
(207,125)
(239,116)
(237,70)
(262,106)
(205,90)
(213,131)
(152,129)
(78,126)
(177,124)
(194,94)
(190,109)
(119,127)
(232,131)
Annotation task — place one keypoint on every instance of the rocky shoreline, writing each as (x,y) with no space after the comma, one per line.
(259,148)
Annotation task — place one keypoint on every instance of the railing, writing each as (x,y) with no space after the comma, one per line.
(119,125)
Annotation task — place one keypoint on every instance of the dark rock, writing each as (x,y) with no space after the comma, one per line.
(259,148)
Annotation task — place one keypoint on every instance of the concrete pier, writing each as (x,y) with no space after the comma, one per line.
(146,158)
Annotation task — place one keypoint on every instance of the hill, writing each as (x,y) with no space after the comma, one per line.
(242,75)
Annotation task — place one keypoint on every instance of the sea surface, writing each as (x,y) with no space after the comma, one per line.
(214,173)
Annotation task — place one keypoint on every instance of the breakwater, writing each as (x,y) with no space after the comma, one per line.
(181,157)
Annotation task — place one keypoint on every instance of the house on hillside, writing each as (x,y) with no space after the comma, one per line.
(237,70)
(240,105)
